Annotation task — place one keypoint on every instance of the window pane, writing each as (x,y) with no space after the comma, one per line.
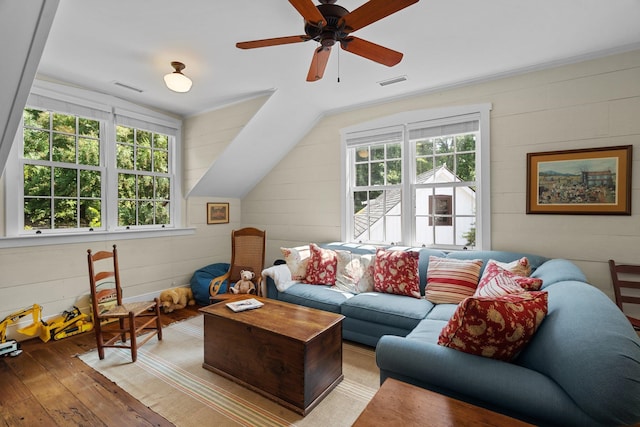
(126,186)
(36,118)
(465,201)
(145,187)
(424,148)
(424,165)
(445,161)
(394,172)
(160,141)
(143,159)
(444,145)
(124,156)
(126,212)
(362,175)
(36,144)
(377,152)
(394,151)
(37,213)
(37,180)
(64,123)
(393,231)
(465,231)
(89,151)
(466,166)
(65,182)
(163,188)
(65,213)
(362,154)
(90,183)
(377,173)
(145,213)
(124,134)
(88,127)
(160,161)
(90,213)
(64,148)
(162,213)
(143,138)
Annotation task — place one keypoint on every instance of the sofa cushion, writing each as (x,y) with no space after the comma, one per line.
(501,256)
(520,267)
(496,281)
(396,272)
(495,327)
(322,266)
(354,272)
(297,259)
(451,280)
(387,309)
(322,297)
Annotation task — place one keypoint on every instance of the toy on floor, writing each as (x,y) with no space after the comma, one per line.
(244,285)
(176,298)
(69,323)
(11,347)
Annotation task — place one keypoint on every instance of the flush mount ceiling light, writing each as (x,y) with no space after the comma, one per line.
(177,81)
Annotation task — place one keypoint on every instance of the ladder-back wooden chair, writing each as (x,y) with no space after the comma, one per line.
(247,253)
(626,277)
(135,318)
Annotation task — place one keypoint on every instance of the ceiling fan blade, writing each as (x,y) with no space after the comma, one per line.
(372,51)
(318,63)
(372,11)
(309,12)
(272,42)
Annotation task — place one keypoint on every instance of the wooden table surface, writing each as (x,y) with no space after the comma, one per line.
(401,404)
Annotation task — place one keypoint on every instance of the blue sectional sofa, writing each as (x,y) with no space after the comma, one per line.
(581,368)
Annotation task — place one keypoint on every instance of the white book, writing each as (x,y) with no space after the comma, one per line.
(245,304)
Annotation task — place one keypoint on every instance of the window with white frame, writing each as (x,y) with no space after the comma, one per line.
(85,166)
(419,178)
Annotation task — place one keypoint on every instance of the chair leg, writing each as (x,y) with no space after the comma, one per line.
(132,332)
(123,335)
(158,322)
(99,339)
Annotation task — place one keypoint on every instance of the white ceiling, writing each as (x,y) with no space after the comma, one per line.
(94,43)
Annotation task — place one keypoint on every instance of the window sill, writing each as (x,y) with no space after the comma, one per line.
(92,236)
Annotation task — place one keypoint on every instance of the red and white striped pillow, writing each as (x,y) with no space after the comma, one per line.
(451,280)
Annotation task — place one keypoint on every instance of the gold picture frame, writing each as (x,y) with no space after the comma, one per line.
(217,213)
(591,181)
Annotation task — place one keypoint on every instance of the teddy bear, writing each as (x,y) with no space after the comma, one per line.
(244,285)
(176,298)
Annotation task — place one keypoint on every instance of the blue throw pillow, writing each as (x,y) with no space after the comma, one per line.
(201,279)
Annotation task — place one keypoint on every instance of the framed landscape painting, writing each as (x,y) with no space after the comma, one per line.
(592,181)
(217,213)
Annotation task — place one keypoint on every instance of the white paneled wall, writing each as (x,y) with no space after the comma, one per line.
(589,104)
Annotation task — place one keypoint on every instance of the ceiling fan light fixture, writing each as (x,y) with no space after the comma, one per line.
(177,81)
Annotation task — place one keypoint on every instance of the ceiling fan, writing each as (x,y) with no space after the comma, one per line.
(329,23)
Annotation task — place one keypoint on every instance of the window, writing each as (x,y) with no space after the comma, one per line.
(89,166)
(417,179)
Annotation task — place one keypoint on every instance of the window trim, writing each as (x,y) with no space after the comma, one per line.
(411,119)
(104,105)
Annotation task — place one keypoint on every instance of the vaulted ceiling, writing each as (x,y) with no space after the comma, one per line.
(96,43)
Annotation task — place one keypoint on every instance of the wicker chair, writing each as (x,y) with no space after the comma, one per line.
(626,276)
(247,253)
(135,318)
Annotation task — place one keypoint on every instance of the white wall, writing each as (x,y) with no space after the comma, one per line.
(590,104)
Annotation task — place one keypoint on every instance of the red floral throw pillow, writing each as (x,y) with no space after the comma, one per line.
(495,327)
(396,272)
(322,266)
(449,280)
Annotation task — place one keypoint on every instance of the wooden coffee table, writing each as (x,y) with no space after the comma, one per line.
(288,353)
(402,404)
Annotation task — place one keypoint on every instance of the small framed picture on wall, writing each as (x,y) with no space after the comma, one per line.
(217,213)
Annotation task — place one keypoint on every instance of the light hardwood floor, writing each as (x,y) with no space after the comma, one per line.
(48,386)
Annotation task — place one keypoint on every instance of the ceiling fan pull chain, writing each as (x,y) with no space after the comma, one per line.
(339,64)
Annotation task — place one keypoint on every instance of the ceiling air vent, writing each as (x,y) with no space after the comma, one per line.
(126,86)
(392,81)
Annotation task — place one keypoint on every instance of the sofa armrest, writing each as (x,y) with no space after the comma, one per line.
(500,386)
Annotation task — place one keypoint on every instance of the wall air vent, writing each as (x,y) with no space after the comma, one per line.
(126,86)
(392,81)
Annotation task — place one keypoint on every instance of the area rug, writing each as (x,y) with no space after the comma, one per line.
(168,377)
